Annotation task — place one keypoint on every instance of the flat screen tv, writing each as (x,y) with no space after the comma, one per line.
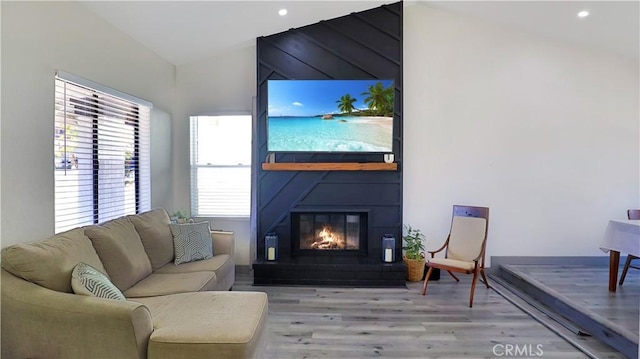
(330,116)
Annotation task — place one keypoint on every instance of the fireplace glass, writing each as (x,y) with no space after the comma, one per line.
(329,231)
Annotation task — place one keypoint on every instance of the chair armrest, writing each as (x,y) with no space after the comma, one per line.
(37,322)
(223,243)
(440,249)
(481,255)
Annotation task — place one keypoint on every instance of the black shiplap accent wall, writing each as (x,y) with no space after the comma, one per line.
(364,45)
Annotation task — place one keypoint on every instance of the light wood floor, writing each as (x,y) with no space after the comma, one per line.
(318,322)
(588,287)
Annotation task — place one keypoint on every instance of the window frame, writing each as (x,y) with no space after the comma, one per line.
(194,166)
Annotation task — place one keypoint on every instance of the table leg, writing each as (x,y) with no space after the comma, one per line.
(614,261)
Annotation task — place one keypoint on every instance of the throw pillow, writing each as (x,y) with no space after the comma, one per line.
(86,280)
(191,242)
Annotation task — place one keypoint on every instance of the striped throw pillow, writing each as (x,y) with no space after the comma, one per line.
(191,242)
(86,280)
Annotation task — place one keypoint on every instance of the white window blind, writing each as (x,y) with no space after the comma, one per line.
(220,166)
(101,153)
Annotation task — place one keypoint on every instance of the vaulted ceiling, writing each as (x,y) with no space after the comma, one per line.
(184,32)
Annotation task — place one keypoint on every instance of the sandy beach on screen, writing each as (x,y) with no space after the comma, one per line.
(384,122)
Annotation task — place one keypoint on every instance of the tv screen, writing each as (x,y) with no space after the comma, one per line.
(330,115)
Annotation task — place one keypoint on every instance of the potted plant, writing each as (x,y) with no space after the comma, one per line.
(413,253)
(180,216)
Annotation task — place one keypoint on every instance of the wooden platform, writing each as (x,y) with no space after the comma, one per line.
(580,295)
(325,322)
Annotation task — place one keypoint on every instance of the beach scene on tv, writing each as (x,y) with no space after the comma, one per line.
(330,115)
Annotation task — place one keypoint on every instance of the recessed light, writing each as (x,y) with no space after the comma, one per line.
(282,12)
(583,13)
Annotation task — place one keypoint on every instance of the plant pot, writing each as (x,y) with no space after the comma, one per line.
(415,269)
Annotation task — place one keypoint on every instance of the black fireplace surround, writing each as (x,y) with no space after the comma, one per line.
(363,45)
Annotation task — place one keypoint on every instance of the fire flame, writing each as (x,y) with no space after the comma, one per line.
(327,240)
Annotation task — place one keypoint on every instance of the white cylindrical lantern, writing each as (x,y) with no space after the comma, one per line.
(271,246)
(388,248)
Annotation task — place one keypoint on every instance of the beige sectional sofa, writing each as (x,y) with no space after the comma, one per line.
(170,311)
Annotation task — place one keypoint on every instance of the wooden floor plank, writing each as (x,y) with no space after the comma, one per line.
(320,322)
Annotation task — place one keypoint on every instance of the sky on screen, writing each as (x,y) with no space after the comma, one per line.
(304,98)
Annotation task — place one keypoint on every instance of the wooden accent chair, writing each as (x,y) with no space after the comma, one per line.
(631,214)
(464,247)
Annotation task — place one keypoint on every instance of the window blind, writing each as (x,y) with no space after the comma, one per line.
(220,166)
(101,154)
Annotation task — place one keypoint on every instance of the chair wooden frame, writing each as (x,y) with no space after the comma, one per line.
(631,214)
(478,268)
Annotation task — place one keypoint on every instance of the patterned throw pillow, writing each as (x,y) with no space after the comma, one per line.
(191,242)
(86,280)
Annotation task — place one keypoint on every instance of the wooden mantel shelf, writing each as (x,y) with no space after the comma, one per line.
(350,166)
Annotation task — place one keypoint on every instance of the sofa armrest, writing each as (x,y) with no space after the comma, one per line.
(41,323)
(223,243)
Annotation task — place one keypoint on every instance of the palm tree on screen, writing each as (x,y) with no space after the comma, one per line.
(345,103)
(379,99)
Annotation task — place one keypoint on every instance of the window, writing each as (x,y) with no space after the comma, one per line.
(101,153)
(220,166)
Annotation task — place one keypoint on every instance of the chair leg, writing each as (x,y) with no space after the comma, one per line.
(426,280)
(473,288)
(626,268)
(486,282)
(454,276)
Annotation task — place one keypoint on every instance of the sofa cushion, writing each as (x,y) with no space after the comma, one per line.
(192,242)
(164,284)
(121,251)
(208,325)
(221,264)
(49,263)
(153,228)
(214,264)
(86,280)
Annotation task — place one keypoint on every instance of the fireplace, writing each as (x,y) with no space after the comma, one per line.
(329,246)
(329,233)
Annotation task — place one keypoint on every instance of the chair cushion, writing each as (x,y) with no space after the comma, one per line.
(465,241)
(86,280)
(463,265)
(192,242)
(153,228)
(120,249)
(49,263)
(164,284)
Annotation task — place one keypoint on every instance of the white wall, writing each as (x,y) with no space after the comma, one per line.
(544,133)
(161,174)
(221,85)
(39,38)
